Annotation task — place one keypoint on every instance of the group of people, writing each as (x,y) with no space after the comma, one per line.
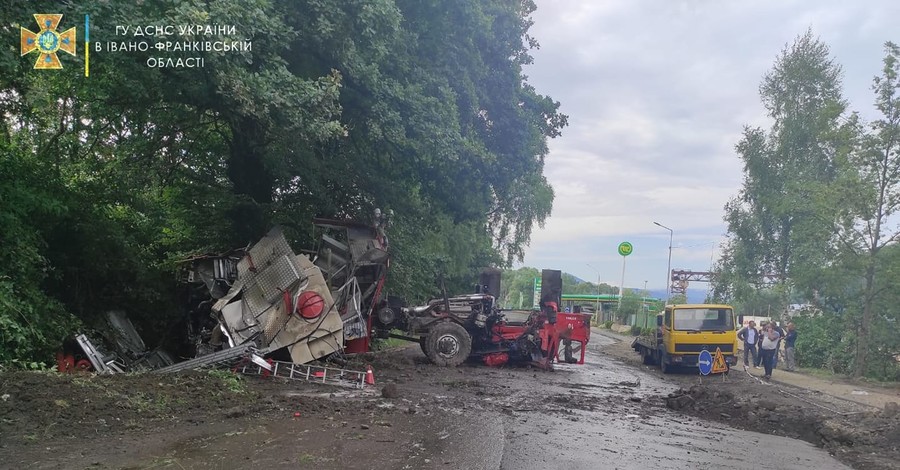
(763,345)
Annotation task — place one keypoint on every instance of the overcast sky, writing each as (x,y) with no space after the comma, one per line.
(657,93)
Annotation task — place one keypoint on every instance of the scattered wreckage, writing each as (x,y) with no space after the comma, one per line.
(275,312)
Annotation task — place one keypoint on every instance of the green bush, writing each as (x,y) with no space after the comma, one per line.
(32,323)
(607,324)
(823,344)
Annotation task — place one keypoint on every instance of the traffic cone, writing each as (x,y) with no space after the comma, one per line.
(370,377)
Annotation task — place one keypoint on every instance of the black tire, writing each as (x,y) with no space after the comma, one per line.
(422,346)
(448,344)
(663,366)
(648,357)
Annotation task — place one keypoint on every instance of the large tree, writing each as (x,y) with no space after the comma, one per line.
(777,223)
(871,196)
(338,108)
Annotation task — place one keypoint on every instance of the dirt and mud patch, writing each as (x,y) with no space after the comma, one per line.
(860,436)
(200,419)
(40,406)
(417,416)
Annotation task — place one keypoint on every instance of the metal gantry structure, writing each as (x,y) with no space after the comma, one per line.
(680,278)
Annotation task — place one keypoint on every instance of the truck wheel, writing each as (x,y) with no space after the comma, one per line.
(663,367)
(648,357)
(422,342)
(448,344)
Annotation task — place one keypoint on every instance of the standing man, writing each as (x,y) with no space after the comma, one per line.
(780,331)
(763,326)
(768,348)
(789,340)
(749,335)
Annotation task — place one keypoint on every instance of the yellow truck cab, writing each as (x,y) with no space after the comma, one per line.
(683,330)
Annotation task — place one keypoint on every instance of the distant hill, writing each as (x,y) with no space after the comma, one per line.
(517,288)
(694,296)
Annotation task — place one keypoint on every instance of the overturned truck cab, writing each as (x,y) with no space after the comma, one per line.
(295,308)
(281,301)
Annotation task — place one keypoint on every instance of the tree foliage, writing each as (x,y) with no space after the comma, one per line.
(873,198)
(775,222)
(816,211)
(517,287)
(338,108)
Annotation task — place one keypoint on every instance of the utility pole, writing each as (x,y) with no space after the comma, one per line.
(669,265)
(644,308)
(597,314)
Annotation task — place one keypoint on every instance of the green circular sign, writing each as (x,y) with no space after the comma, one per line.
(625,248)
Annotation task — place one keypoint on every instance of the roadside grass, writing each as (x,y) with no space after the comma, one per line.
(825,374)
(232,381)
(143,402)
(819,373)
(389,343)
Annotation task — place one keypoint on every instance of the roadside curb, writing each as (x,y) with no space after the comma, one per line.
(610,334)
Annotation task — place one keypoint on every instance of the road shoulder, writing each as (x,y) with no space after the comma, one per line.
(858,433)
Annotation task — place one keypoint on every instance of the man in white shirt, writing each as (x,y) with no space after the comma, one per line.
(768,348)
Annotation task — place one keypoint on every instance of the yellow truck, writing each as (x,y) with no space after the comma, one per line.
(683,330)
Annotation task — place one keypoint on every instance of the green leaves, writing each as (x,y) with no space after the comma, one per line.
(337,108)
(779,216)
(819,193)
(32,323)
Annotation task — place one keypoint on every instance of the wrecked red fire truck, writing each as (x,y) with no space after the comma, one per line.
(277,304)
(451,330)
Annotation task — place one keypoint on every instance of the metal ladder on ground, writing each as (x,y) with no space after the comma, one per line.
(211,360)
(306,373)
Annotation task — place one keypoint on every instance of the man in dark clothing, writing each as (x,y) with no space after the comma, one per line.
(789,340)
(749,335)
(763,325)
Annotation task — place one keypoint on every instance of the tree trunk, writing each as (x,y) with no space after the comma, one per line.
(251,178)
(862,342)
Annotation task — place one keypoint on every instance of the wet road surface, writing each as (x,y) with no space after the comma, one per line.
(601,415)
(596,426)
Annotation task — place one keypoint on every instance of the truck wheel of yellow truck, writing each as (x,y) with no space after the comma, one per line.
(648,357)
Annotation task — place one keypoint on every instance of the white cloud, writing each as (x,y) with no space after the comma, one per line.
(657,95)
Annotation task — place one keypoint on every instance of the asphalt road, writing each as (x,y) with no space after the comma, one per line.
(601,415)
(602,429)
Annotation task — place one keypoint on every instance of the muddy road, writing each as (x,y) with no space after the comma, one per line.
(608,413)
(627,426)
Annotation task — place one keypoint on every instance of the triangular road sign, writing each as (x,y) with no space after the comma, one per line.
(719,365)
